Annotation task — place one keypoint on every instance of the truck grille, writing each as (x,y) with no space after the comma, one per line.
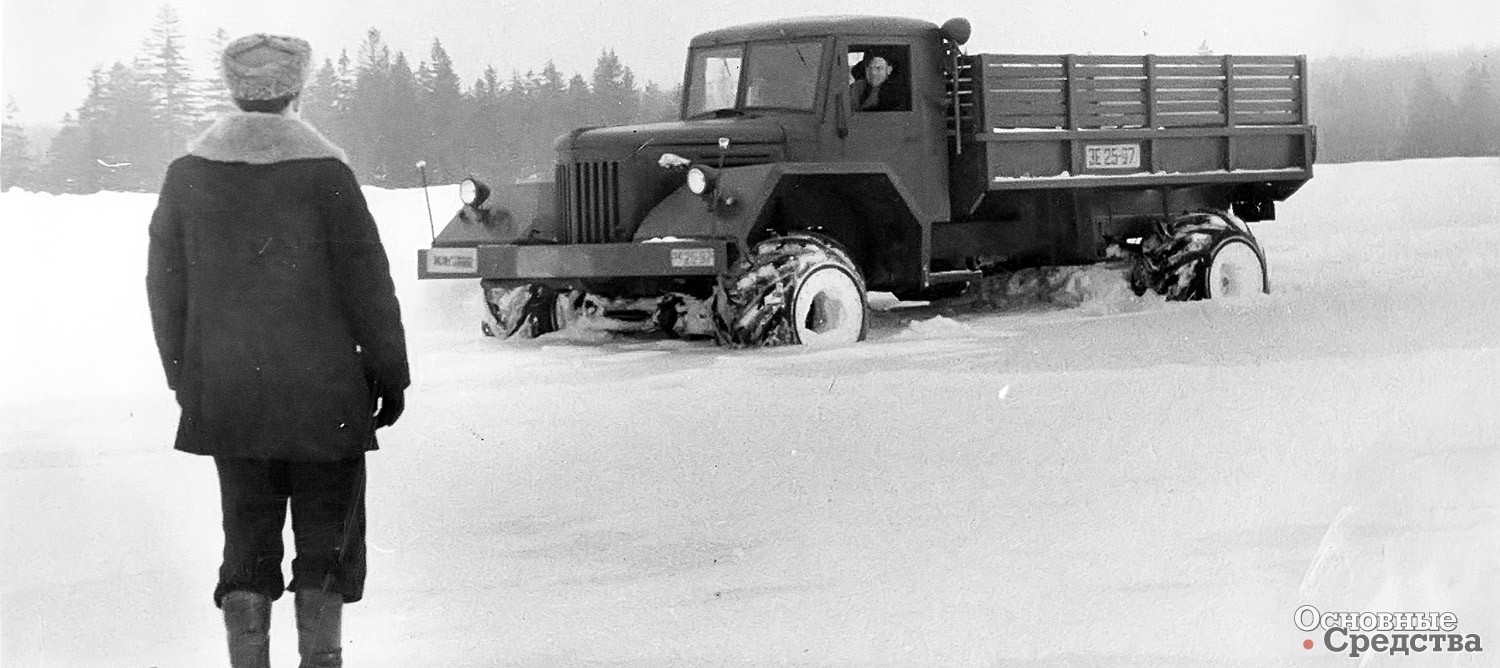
(590,193)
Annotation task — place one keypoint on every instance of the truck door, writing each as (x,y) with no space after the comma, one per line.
(898,122)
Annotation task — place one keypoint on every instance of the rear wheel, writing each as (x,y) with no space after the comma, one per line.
(797,289)
(1206,255)
(1235,271)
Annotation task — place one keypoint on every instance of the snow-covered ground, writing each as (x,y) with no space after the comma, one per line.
(1117,483)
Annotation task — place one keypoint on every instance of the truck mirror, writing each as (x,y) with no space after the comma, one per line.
(957,29)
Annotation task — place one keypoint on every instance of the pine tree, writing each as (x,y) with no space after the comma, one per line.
(213,95)
(491,81)
(319,101)
(367,106)
(164,72)
(1431,120)
(579,101)
(71,167)
(1355,119)
(443,83)
(659,105)
(444,107)
(549,84)
(403,126)
(615,93)
(1478,113)
(482,143)
(128,141)
(345,87)
(17,169)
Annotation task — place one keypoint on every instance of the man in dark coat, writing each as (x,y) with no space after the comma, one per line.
(278,326)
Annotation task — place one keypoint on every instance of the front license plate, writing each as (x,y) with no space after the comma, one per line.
(453,261)
(1112,156)
(683,258)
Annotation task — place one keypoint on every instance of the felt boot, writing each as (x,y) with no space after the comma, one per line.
(247,618)
(319,615)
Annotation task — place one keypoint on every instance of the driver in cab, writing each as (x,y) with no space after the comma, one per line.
(874,88)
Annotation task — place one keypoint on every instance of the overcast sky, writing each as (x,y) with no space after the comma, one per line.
(50,45)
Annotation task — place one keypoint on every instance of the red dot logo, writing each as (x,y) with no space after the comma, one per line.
(1307,644)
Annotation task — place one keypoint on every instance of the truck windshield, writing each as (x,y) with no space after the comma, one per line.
(776,76)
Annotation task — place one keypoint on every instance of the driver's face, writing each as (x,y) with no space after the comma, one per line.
(877,70)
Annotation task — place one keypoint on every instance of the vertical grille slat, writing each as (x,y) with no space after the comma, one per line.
(596,202)
(614,201)
(585,202)
(591,200)
(586,215)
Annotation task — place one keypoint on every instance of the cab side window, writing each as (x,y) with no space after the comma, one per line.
(879,78)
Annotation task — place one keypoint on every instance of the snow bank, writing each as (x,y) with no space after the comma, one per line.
(1094,290)
(935,327)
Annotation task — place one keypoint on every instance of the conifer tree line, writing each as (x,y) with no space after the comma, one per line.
(389,114)
(1415,106)
(383,110)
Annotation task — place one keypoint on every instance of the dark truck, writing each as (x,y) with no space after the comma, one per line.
(766,212)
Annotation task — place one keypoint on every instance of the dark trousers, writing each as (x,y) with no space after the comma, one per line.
(328,524)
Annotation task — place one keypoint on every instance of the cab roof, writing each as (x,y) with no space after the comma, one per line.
(817,26)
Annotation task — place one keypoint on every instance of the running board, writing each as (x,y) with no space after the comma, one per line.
(938,277)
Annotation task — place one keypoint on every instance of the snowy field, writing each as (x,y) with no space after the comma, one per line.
(1120,483)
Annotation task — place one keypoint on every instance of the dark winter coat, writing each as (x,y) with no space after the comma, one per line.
(271,295)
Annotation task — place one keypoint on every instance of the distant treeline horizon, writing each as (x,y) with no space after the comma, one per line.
(388,115)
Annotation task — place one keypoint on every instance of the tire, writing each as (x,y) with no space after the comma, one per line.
(798,289)
(1236,270)
(1205,255)
(528,311)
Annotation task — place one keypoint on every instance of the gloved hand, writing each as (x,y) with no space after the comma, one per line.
(391,402)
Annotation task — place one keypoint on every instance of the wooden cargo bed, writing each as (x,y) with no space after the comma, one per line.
(1062,121)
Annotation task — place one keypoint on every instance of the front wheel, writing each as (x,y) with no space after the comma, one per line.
(798,289)
(1205,255)
(528,310)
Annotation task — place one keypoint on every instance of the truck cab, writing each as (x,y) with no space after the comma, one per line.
(804,72)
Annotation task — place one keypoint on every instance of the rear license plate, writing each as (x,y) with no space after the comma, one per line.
(683,258)
(1112,156)
(453,261)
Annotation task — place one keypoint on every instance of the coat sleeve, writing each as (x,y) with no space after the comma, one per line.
(166,281)
(362,274)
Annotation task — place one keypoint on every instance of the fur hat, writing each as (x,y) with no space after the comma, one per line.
(265,67)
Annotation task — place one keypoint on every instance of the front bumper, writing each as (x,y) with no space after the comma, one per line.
(650,259)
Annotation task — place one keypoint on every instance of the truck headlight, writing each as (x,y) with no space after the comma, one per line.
(701,179)
(473,192)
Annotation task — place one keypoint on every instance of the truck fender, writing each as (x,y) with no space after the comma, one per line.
(730,210)
(863,206)
(521,213)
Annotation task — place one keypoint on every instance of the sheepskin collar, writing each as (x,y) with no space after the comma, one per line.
(262,139)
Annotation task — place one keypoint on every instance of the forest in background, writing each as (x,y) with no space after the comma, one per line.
(1411,106)
(388,114)
(385,112)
